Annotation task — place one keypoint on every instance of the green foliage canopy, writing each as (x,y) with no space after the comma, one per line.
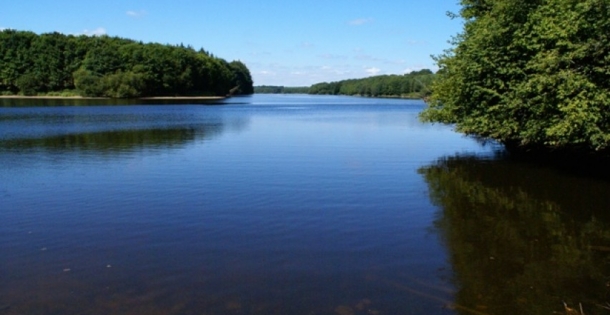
(532,74)
(413,85)
(241,77)
(113,67)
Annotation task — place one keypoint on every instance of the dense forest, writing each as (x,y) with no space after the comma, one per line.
(104,66)
(534,75)
(412,85)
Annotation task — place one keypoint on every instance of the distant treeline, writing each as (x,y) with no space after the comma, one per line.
(412,85)
(106,66)
(273,89)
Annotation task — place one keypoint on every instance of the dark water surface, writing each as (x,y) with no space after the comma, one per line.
(285,205)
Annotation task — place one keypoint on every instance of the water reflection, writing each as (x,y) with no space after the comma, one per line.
(313,209)
(116,141)
(104,130)
(522,239)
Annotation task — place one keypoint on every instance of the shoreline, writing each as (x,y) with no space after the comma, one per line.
(42,97)
(210,98)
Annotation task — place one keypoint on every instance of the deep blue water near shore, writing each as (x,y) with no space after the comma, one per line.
(267,204)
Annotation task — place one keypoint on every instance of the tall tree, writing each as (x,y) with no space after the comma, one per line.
(532,74)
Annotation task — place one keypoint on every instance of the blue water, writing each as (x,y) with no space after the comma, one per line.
(266,204)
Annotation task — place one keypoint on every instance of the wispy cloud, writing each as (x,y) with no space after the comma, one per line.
(136,14)
(366,57)
(96,32)
(289,75)
(358,22)
(372,71)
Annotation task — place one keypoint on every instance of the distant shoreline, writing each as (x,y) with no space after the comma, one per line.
(48,97)
(42,97)
(211,98)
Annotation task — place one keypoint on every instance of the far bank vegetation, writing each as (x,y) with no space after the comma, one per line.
(104,66)
(411,85)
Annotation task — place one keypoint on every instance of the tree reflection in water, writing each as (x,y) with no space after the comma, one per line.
(522,239)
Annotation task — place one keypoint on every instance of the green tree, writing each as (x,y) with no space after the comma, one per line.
(87,83)
(103,57)
(532,74)
(112,67)
(29,83)
(123,85)
(15,57)
(242,78)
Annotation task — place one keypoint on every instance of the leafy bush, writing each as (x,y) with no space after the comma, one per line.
(532,74)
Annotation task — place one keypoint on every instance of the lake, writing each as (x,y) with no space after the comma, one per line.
(286,204)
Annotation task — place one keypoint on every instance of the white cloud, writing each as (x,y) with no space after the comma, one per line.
(373,71)
(2,28)
(136,14)
(96,32)
(357,22)
(418,67)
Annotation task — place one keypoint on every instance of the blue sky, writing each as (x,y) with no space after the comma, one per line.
(286,43)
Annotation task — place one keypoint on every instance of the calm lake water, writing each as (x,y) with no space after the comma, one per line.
(275,204)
